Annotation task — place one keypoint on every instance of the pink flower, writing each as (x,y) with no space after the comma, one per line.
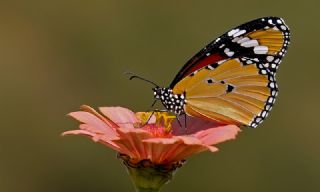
(161,141)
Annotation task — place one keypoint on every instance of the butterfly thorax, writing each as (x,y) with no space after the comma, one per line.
(172,102)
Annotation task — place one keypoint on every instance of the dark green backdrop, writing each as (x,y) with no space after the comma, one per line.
(57,55)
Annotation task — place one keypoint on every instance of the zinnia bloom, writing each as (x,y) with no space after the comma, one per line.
(152,147)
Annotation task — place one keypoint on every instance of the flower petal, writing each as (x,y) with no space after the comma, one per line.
(95,138)
(131,140)
(218,134)
(95,124)
(186,151)
(122,116)
(78,132)
(175,149)
(108,121)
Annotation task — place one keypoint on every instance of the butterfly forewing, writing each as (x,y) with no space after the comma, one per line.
(265,40)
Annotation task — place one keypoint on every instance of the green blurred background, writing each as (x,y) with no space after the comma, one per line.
(58,55)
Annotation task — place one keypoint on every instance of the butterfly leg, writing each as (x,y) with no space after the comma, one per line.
(177,117)
(149,118)
(152,105)
(155,110)
(185,121)
(154,102)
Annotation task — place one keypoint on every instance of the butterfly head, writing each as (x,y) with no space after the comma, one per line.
(172,102)
(157,92)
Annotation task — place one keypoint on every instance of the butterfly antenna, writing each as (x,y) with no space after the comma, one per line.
(134,76)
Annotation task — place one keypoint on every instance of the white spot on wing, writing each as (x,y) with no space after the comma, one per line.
(264,113)
(236,39)
(272,85)
(260,49)
(244,39)
(273,93)
(239,33)
(210,67)
(230,53)
(222,61)
(232,32)
(270,100)
(268,107)
(258,119)
(251,43)
(254,125)
(270,58)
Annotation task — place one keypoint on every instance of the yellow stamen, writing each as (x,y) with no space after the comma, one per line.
(161,119)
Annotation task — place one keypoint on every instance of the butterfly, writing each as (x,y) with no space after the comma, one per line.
(232,80)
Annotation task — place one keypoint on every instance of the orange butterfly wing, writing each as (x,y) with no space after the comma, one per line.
(230,91)
(240,89)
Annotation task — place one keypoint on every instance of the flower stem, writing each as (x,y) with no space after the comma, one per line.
(149,177)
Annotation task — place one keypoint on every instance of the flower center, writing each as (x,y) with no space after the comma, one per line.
(159,124)
(157,131)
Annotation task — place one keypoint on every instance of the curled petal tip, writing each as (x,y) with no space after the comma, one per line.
(85,107)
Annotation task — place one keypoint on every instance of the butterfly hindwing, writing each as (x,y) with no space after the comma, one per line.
(265,40)
(239,91)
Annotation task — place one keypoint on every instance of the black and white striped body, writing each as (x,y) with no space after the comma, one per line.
(172,102)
